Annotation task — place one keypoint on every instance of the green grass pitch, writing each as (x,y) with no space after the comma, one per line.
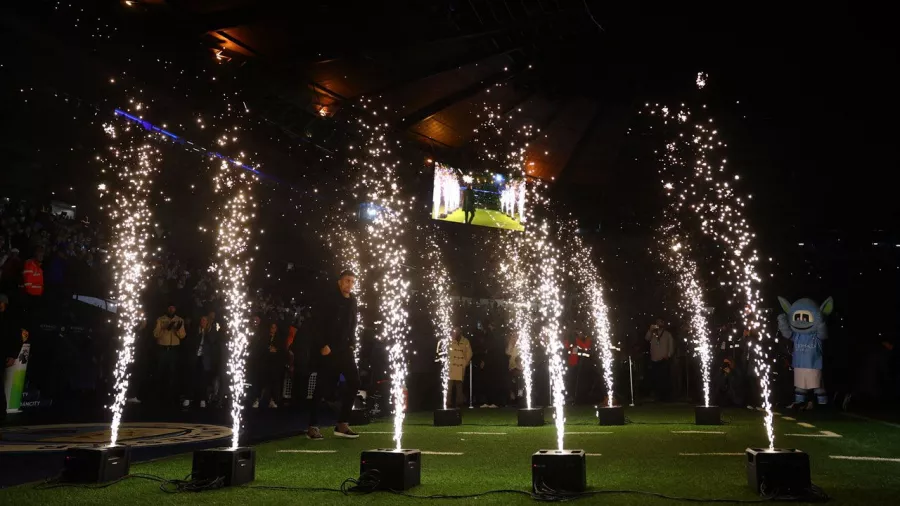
(644,455)
(486,218)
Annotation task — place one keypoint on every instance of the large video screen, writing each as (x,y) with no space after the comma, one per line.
(485,200)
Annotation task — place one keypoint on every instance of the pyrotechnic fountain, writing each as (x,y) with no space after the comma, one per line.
(134,160)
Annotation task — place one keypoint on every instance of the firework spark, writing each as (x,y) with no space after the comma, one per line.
(134,160)
(588,279)
(692,301)
(233,269)
(696,176)
(381,184)
(438,288)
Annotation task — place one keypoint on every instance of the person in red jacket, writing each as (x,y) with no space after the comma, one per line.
(33,274)
(579,353)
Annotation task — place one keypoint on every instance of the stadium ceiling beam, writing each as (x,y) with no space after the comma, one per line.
(439,105)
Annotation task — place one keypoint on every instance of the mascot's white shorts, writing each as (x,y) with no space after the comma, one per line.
(807,379)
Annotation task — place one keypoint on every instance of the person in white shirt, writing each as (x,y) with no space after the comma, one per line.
(662,347)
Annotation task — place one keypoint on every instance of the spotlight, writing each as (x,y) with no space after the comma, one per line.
(778,470)
(447,417)
(611,415)
(559,470)
(397,469)
(707,415)
(531,417)
(235,465)
(96,465)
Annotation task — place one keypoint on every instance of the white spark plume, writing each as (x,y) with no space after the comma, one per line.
(704,188)
(134,160)
(438,289)
(233,269)
(386,234)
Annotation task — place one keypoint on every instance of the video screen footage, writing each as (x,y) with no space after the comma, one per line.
(485,200)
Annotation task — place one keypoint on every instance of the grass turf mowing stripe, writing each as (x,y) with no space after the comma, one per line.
(307,451)
(824,433)
(713,454)
(868,459)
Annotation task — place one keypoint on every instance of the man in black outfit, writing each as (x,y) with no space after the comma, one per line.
(332,356)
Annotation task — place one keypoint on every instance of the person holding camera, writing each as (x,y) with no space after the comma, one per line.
(662,347)
(169,332)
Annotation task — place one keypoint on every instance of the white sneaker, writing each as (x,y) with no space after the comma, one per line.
(186,403)
(492,406)
(133,400)
(485,406)
(272,404)
(256,403)
(202,404)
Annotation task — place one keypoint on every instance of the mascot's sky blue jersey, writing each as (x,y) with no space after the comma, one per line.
(804,324)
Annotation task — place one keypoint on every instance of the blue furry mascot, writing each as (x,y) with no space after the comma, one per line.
(803,322)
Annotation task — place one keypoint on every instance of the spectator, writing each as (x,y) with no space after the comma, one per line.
(169,332)
(202,346)
(11,272)
(517,387)
(10,344)
(460,355)
(662,347)
(269,358)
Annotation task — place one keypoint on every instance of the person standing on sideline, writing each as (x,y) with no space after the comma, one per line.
(469,204)
(203,350)
(269,356)
(169,332)
(332,356)
(460,354)
(662,347)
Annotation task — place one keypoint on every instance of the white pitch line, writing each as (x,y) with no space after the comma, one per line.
(585,433)
(698,432)
(593,454)
(807,425)
(441,453)
(376,432)
(481,433)
(789,419)
(824,433)
(307,451)
(872,459)
(715,454)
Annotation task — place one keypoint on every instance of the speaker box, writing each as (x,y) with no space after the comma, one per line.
(236,466)
(611,415)
(559,470)
(96,465)
(397,469)
(707,415)
(447,417)
(531,417)
(778,471)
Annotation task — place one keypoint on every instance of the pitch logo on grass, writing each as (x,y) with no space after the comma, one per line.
(52,438)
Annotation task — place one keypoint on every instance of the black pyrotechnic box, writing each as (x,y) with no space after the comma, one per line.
(531,417)
(781,471)
(96,465)
(235,466)
(397,469)
(447,417)
(614,415)
(707,415)
(559,470)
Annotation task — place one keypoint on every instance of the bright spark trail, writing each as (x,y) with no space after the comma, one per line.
(233,269)
(693,170)
(349,257)
(550,311)
(381,184)
(438,288)
(134,160)
(588,279)
(692,300)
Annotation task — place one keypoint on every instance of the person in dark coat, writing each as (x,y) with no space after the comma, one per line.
(469,204)
(332,356)
(202,348)
(269,357)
